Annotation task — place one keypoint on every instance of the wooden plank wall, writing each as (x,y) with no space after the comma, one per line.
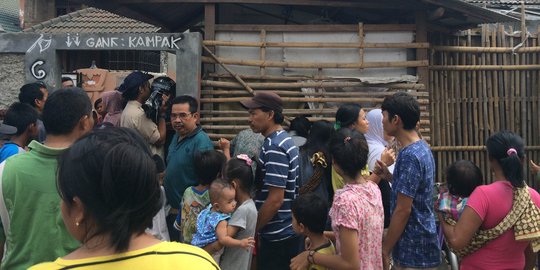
(481,83)
(223,91)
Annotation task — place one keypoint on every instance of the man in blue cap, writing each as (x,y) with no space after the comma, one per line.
(136,90)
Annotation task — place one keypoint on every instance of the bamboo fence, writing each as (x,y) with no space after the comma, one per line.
(223,117)
(481,83)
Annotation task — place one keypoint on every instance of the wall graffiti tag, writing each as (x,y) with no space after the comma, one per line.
(42,60)
(43,44)
(124,42)
(36,71)
(75,40)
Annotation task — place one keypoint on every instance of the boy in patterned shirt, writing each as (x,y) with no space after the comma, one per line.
(195,199)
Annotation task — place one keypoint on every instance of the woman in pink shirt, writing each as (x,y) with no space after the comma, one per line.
(489,204)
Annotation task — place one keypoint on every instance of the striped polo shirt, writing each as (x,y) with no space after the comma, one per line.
(280,165)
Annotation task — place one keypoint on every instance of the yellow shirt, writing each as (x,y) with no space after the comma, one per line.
(165,255)
(327,249)
(337,180)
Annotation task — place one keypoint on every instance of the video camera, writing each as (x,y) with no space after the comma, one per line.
(160,86)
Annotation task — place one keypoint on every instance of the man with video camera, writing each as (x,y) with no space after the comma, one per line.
(136,90)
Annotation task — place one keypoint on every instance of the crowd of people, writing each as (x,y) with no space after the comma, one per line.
(105,186)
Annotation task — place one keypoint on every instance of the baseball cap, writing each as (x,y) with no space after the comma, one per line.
(264,99)
(7,129)
(133,80)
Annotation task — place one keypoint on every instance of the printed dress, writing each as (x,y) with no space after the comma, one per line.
(359,207)
(206,226)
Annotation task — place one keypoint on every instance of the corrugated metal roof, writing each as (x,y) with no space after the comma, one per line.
(92,20)
(9,15)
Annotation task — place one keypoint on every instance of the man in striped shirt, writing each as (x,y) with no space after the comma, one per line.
(279,158)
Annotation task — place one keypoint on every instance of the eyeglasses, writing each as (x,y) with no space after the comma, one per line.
(180,115)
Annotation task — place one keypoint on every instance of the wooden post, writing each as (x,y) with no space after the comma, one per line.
(422,54)
(361,41)
(209,34)
(263,50)
(523,23)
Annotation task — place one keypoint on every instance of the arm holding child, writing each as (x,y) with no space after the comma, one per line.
(226,240)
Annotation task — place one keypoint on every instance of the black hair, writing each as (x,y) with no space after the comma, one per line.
(193,104)
(301,125)
(30,92)
(349,150)
(131,94)
(278,116)
(318,138)
(20,115)
(208,165)
(312,211)
(498,146)
(160,164)
(216,188)
(462,177)
(112,172)
(238,169)
(347,115)
(405,106)
(64,109)
(97,102)
(66,79)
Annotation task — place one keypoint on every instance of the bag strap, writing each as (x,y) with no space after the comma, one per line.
(319,163)
(482,237)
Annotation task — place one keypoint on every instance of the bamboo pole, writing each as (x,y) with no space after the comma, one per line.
(361,43)
(303,99)
(245,119)
(277,77)
(485,67)
(534,49)
(523,23)
(297,93)
(262,55)
(289,85)
(259,63)
(337,45)
(285,111)
(494,113)
(457,148)
(213,56)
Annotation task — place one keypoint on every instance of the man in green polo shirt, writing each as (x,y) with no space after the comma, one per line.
(188,139)
(32,227)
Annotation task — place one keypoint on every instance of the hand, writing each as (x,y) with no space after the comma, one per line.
(224,144)
(381,170)
(300,262)
(248,242)
(164,104)
(388,156)
(535,168)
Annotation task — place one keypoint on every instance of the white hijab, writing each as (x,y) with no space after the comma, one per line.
(375,138)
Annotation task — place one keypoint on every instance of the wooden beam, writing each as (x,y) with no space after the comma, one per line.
(533,49)
(259,63)
(371,4)
(315,28)
(406,45)
(291,85)
(249,89)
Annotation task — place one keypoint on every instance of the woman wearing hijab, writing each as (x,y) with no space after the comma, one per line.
(113,104)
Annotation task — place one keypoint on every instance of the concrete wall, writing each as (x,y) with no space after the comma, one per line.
(11,78)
